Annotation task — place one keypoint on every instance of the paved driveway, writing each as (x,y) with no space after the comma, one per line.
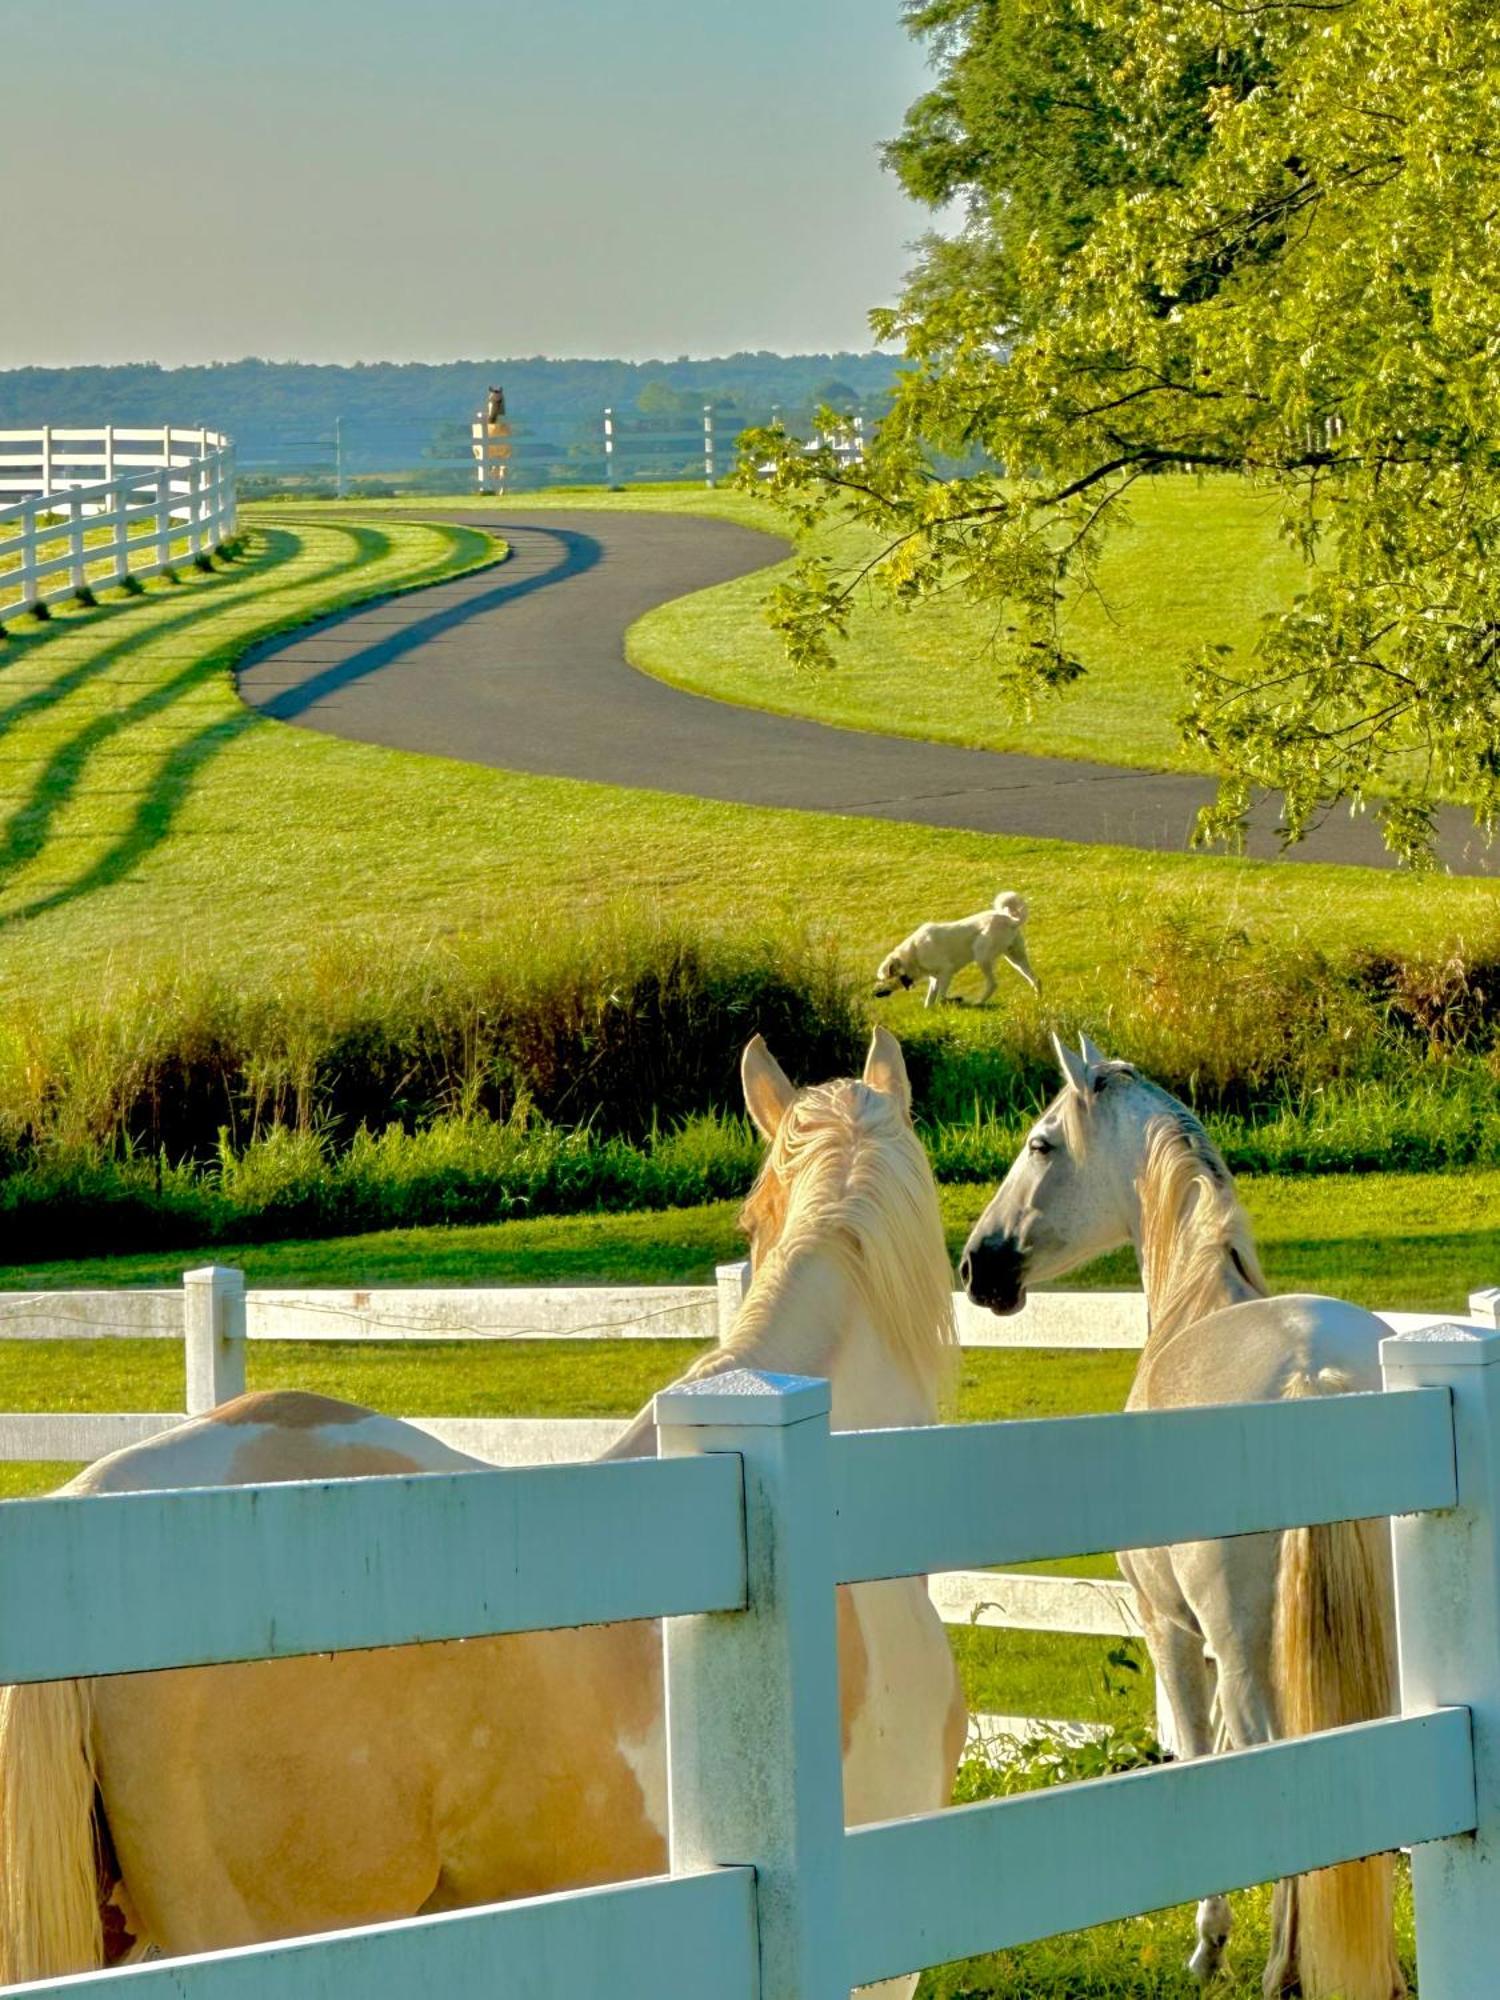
(523,667)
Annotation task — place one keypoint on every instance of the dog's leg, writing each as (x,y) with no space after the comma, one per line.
(937,988)
(987,974)
(1016,956)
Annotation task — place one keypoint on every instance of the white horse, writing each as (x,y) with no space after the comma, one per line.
(212,1807)
(1258,1636)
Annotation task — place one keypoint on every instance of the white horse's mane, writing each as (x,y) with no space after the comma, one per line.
(1192,1221)
(846,1177)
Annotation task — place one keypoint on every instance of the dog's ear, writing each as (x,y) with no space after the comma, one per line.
(885,1070)
(768,1089)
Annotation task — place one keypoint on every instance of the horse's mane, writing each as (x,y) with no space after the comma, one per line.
(847,1177)
(1192,1221)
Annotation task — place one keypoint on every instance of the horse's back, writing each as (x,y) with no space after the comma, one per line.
(267,1437)
(1262,1350)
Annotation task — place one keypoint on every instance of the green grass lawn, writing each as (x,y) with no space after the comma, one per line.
(1333,1233)
(1198,563)
(151,823)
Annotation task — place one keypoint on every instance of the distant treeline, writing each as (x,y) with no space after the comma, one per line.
(254,398)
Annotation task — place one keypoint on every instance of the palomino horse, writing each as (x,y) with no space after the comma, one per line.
(204,1808)
(1262,1635)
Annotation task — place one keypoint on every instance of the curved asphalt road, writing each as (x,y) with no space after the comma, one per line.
(523,667)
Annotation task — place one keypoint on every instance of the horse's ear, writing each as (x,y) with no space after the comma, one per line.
(885,1069)
(1094,1057)
(768,1088)
(1075,1070)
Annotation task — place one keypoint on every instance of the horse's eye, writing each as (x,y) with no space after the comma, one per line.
(1037,1144)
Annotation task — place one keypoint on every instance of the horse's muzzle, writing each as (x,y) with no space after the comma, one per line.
(993,1272)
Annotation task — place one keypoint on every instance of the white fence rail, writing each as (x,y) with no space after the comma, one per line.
(96,506)
(737,1536)
(214,1315)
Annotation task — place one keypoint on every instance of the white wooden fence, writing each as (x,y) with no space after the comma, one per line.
(737,1537)
(98,505)
(213,1315)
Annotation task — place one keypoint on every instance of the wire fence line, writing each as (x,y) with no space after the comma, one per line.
(604,447)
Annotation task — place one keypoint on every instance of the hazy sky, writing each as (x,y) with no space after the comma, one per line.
(428,179)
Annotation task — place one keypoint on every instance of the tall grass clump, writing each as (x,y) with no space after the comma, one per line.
(1360,1052)
(549,1073)
(629,1028)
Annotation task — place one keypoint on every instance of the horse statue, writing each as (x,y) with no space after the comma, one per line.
(210,1807)
(1259,1636)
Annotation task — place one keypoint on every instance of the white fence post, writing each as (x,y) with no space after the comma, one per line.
(1448,1616)
(30,583)
(213,1326)
(78,571)
(1485,1306)
(120,495)
(733,1281)
(609,447)
(163,518)
(753,1729)
(46,437)
(708,444)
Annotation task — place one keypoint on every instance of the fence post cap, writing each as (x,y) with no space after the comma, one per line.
(1485,1304)
(744,1396)
(1445,1344)
(208,1274)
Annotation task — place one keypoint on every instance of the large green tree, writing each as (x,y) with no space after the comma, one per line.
(1249,237)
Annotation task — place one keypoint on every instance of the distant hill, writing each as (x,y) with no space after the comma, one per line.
(254,398)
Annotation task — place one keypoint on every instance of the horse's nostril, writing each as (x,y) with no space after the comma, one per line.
(965,1270)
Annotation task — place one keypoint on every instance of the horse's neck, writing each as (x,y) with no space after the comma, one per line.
(1163,1245)
(805,1316)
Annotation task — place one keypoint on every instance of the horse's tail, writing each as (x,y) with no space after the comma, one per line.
(50,1920)
(1333,1665)
(1009,904)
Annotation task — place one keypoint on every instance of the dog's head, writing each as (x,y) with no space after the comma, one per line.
(891,972)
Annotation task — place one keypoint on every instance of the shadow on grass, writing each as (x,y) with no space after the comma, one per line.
(279,548)
(29,829)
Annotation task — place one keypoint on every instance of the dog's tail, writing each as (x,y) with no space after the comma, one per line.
(1009,904)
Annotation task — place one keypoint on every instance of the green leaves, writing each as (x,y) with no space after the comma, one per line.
(1262,243)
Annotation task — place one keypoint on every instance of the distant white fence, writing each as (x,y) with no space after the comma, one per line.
(736,1538)
(98,505)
